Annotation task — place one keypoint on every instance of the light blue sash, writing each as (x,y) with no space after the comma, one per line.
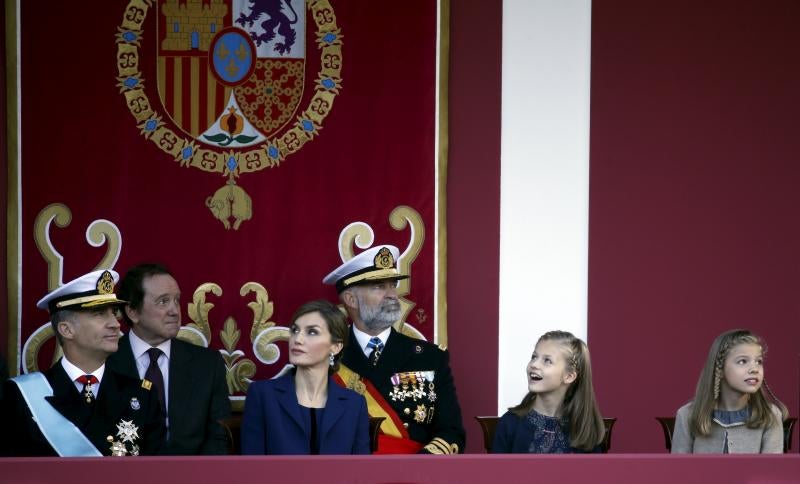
(65,438)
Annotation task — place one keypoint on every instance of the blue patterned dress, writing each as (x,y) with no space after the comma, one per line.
(532,433)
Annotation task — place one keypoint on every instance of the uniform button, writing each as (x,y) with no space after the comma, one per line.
(405,424)
(406,411)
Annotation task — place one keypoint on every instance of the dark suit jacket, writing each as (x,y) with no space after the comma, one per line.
(20,435)
(405,354)
(198,397)
(273,424)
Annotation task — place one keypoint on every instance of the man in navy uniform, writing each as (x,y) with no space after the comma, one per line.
(189,379)
(81,407)
(405,380)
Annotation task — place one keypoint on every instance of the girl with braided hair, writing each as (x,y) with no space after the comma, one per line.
(559,414)
(730,413)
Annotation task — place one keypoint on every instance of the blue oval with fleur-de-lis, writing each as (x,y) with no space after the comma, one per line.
(232,56)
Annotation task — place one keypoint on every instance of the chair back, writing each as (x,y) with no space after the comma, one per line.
(668,426)
(788,428)
(374,430)
(489,426)
(605,445)
(233,429)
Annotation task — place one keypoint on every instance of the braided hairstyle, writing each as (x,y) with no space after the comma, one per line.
(579,408)
(708,386)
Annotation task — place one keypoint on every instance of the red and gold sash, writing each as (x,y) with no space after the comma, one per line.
(393,438)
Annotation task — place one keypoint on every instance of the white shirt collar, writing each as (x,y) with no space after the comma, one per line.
(363,338)
(140,347)
(73,372)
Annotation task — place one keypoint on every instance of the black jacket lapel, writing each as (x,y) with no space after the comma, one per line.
(66,397)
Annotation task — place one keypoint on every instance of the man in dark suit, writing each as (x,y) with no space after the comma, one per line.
(189,379)
(406,380)
(80,406)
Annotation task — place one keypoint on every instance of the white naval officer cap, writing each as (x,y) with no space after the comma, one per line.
(91,290)
(377,263)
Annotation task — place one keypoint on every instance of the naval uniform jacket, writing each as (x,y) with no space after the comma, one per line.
(434,419)
(198,397)
(118,398)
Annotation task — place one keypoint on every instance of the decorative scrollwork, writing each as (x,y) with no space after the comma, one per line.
(199,332)
(357,233)
(99,232)
(30,351)
(264,333)
(361,235)
(262,307)
(102,232)
(264,345)
(401,217)
(62,216)
(240,370)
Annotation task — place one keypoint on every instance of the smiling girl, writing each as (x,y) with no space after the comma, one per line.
(559,414)
(729,413)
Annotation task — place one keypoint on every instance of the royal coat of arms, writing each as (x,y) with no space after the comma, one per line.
(234,91)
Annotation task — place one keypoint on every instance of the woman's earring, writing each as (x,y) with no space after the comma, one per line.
(331,360)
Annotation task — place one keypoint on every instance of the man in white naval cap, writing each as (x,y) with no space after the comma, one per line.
(405,380)
(79,407)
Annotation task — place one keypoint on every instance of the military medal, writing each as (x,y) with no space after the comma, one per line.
(128,433)
(88,381)
(419,391)
(429,376)
(431,393)
(396,394)
(420,413)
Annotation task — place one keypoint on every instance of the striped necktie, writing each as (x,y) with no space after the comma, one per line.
(376,345)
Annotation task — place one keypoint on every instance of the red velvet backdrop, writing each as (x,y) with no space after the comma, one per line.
(694,198)
(373,152)
(693,175)
(473,207)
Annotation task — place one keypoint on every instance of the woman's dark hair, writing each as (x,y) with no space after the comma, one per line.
(334,318)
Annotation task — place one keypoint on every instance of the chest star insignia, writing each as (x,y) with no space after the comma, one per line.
(127,431)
